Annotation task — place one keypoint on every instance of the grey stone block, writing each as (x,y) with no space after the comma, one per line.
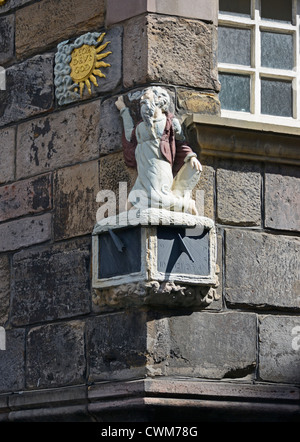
(238,194)
(58,140)
(117,346)
(29,89)
(12,362)
(25,232)
(282,202)
(262,270)
(4,288)
(207,345)
(13,4)
(7,38)
(55,355)
(170,50)
(7,154)
(111,128)
(279,349)
(39,28)
(75,190)
(26,197)
(201,9)
(51,283)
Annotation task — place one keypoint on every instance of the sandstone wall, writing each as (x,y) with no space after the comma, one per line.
(53,162)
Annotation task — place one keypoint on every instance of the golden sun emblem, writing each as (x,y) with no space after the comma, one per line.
(86,62)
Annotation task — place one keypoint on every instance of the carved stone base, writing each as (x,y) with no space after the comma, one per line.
(155,293)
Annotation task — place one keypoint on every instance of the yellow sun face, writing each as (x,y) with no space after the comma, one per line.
(86,62)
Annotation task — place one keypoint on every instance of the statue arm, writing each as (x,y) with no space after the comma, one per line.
(129,140)
(126,117)
(127,123)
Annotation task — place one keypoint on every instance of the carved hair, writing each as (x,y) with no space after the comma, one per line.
(162,98)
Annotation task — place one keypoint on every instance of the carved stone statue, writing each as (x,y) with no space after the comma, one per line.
(168,169)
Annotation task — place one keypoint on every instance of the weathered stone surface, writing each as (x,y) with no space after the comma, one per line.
(26,197)
(7,155)
(29,89)
(208,345)
(191,101)
(62,404)
(116,346)
(12,362)
(75,203)
(204,192)
(12,4)
(25,232)
(114,171)
(135,60)
(201,9)
(110,128)
(58,140)
(41,25)
(150,53)
(262,270)
(4,288)
(7,38)
(51,283)
(238,194)
(279,349)
(55,355)
(282,202)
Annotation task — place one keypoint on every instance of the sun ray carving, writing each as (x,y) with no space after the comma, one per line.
(86,62)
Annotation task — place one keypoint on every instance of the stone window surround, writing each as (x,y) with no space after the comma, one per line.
(244,140)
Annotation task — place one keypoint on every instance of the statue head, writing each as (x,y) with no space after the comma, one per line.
(154,98)
(159,96)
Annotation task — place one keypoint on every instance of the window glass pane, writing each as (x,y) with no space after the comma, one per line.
(235,92)
(277,10)
(235,6)
(234,45)
(277,50)
(276,97)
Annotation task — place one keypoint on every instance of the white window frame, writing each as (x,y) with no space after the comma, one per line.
(256,71)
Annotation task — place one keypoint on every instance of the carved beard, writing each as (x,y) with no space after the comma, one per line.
(147,111)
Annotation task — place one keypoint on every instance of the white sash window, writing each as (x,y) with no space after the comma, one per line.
(259,60)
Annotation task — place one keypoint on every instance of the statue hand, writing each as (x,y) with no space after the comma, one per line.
(120,103)
(196,164)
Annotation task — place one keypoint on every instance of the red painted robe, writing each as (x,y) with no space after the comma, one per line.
(172,150)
